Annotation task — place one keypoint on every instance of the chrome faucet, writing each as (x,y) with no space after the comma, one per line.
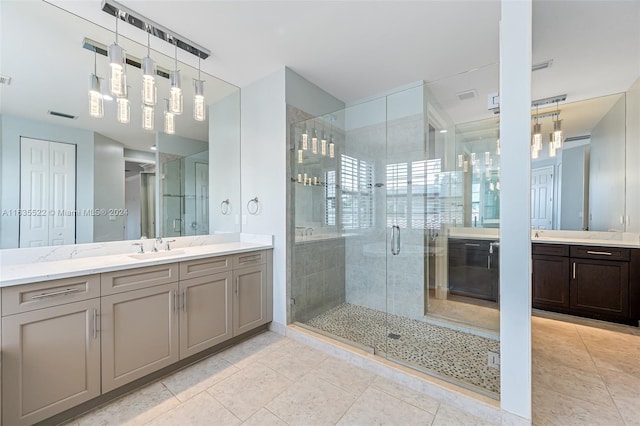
(167,247)
(155,244)
(141,250)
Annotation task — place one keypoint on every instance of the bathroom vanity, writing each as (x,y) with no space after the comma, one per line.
(114,320)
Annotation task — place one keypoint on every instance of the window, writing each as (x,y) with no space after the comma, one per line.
(356,181)
(330,197)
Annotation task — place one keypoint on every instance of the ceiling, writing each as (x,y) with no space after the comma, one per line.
(356,49)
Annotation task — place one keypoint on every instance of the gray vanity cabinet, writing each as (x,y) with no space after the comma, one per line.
(251,301)
(205,318)
(50,348)
(139,328)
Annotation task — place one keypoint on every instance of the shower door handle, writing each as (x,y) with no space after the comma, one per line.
(177,225)
(395,240)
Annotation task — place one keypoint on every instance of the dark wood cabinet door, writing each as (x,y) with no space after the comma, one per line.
(600,287)
(473,271)
(550,282)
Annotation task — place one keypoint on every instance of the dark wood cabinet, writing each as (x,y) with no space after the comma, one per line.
(590,281)
(550,282)
(600,287)
(474,268)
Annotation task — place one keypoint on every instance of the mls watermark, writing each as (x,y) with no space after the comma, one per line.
(64,212)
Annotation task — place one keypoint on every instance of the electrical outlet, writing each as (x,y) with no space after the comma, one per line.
(493,359)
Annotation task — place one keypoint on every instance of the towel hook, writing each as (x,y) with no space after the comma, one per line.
(225,207)
(253,206)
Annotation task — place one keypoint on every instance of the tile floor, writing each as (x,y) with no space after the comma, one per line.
(581,376)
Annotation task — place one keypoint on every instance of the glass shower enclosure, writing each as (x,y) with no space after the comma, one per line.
(375,188)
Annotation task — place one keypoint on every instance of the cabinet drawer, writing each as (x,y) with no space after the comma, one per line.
(202,267)
(469,244)
(550,249)
(248,259)
(603,253)
(134,279)
(28,297)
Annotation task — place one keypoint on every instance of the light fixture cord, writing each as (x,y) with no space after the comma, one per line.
(95,62)
(117,19)
(198,66)
(176,50)
(148,43)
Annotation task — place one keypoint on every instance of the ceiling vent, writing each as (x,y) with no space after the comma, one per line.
(577,138)
(468,94)
(542,65)
(62,114)
(5,80)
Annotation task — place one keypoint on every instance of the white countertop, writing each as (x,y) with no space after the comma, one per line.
(32,272)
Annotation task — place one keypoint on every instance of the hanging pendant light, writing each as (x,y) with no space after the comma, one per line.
(552,146)
(534,152)
(536,139)
(332,148)
(323,144)
(96,102)
(199,111)
(314,142)
(123,112)
(118,80)
(557,129)
(169,119)
(148,117)
(149,90)
(305,139)
(175,93)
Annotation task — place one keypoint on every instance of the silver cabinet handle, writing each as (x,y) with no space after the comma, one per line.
(471,245)
(184,300)
(398,241)
(574,270)
(56,293)
(177,224)
(175,301)
(602,253)
(249,258)
(237,285)
(393,240)
(488,261)
(95,324)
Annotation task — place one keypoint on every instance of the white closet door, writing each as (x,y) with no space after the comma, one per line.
(47,185)
(542,198)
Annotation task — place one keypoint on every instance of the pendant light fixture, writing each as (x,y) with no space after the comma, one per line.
(175,93)
(314,141)
(332,146)
(148,117)
(96,102)
(534,152)
(118,80)
(123,112)
(323,141)
(552,146)
(305,139)
(557,129)
(149,90)
(169,119)
(199,111)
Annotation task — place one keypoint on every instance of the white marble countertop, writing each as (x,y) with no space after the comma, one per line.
(41,271)
(586,242)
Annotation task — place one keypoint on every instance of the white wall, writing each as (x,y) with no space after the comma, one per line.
(574,188)
(263,171)
(108,181)
(224,164)
(12,129)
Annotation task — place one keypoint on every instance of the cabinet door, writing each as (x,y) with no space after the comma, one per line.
(50,361)
(600,287)
(206,318)
(139,333)
(250,298)
(472,270)
(550,282)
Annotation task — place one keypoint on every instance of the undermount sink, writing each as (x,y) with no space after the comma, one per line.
(156,254)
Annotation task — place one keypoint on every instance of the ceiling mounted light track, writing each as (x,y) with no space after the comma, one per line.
(116,9)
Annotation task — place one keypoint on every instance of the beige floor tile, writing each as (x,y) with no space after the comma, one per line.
(554,353)
(196,378)
(595,338)
(294,359)
(311,401)
(553,408)
(450,416)
(202,409)
(264,417)
(344,375)
(136,408)
(612,359)
(375,407)
(587,386)
(625,390)
(249,389)
(407,395)
(250,351)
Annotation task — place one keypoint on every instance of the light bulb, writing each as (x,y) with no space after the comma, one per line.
(147,117)
(332,149)
(537,137)
(300,156)
(96,103)
(169,123)
(323,146)
(460,159)
(118,80)
(123,113)
(175,93)
(557,134)
(305,140)
(199,111)
(149,96)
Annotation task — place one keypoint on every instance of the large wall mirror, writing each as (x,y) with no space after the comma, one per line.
(587,76)
(82,179)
